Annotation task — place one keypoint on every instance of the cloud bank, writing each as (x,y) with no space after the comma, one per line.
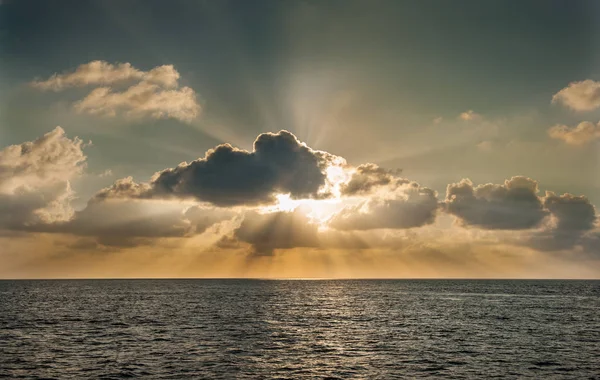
(225,194)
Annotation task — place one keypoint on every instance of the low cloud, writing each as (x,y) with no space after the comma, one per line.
(35,179)
(155,93)
(35,196)
(583,133)
(367,178)
(122,222)
(228,176)
(572,213)
(579,96)
(572,223)
(223,195)
(407,206)
(513,205)
(550,223)
(50,159)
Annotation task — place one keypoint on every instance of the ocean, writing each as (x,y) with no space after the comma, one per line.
(296,329)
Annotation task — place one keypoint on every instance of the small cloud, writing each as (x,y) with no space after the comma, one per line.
(469,115)
(103,73)
(106,173)
(154,93)
(579,96)
(582,134)
(438,120)
(142,99)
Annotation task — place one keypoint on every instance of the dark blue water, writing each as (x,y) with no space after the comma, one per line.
(244,329)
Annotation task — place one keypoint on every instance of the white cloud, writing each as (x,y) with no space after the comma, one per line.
(104,73)
(35,179)
(154,93)
(583,133)
(579,96)
(469,115)
(46,161)
(142,99)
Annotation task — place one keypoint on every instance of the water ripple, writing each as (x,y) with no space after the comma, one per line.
(244,329)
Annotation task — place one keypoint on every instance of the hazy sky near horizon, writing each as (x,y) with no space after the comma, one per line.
(299,138)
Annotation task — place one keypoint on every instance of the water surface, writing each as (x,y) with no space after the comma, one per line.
(250,329)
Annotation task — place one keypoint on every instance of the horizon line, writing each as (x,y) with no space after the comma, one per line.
(303,278)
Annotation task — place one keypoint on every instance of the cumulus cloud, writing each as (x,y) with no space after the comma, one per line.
(579,96)
(124,188)
(368,177)
(572,223)
(50,159)
(469,115)
(227,176)
(409,205)
(188,200)
(583,133)
(513,205)
(28,206)
(553,222)
(35,179)
(154,93)
(35,196)
(572,213)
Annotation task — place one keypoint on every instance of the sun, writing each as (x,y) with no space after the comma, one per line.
(319,210)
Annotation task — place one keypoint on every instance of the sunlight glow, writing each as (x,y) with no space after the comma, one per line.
(319,210)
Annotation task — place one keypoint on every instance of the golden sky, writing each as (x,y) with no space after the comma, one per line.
(299,142)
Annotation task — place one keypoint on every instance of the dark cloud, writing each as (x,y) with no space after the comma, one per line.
(278,230)
(513,205)
(24,207)
(572,213)
(572,222)
(125,223)
(35,197)
(228,176)
(368,177)
(410,206)
(560,221)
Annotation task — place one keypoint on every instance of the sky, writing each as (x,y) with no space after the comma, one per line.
(299,139)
